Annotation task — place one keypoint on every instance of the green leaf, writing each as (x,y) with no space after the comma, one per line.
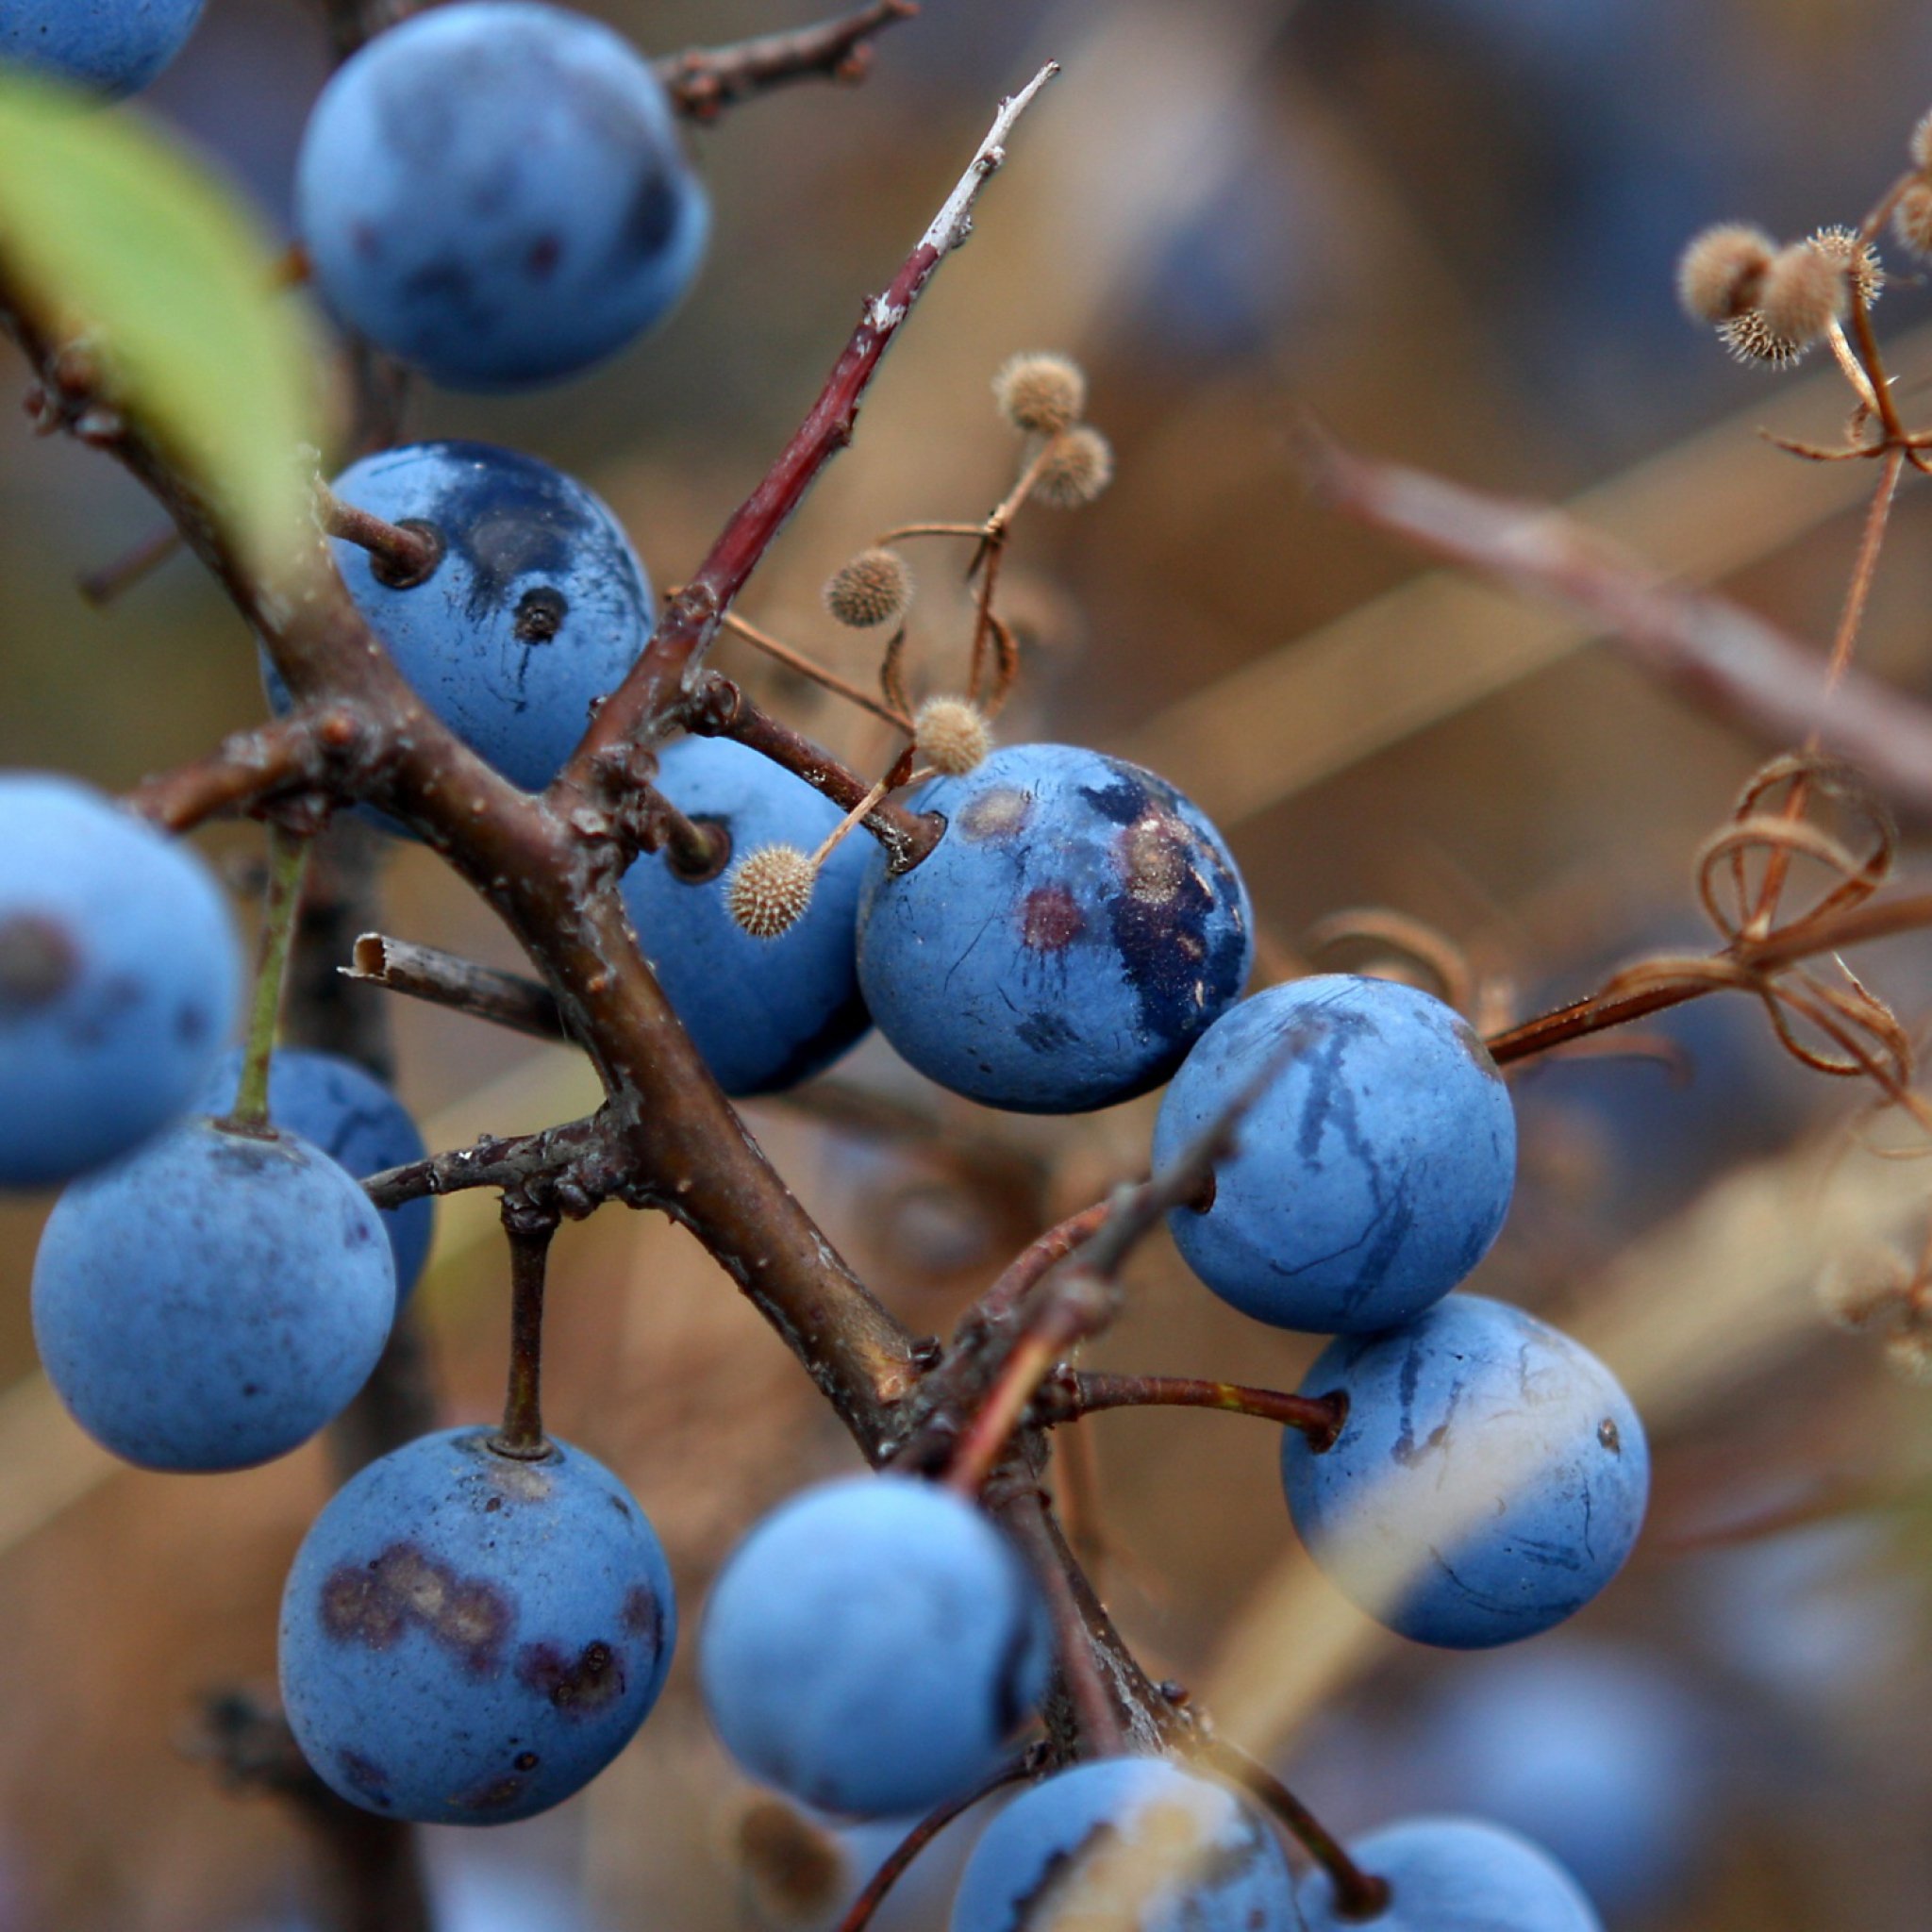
(111,233)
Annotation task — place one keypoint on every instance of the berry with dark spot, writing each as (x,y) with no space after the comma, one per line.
(355,1120)
(1454,1874)
(1371,1175)
(1472,1495)
(766,1013)
(1078,927)
(1135,1844)
(871,1645)
(120,977)
(110,46)
(211,1301)
(536,608)
(496,193)
(468,1638)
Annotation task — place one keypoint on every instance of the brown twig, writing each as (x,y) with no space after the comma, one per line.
(860,1914)
(1724,658)
(703,81)
(649,695)
(446,979)
(1078,1393)
(806,666)
(316,746)
(1358,1894)
(719,709)
(400,555)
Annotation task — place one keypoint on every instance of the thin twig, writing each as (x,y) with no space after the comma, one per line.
(703,81)
(529,1232)
(860,1914)
(101,586)
(311,748)
(642,705)
(444,980)
(830,680)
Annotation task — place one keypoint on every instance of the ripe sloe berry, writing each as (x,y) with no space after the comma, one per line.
(1454,1874)
(1368,1179)
(496,193)
(765,1013)
(468,1638)
(1076,929)
(871,1645)
(120,976)
(1129,1842)
(355,1120)
(1489,1478)
(213,1300)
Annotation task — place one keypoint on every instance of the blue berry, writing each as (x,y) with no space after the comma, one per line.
(120,977)
(1076,929)
(496,193)
(765,1013)
(1369,1178)
(537,608)
(468,1638)
(112,47)
(213,1300)
(1489,1478)
(1132,1843)
(1454,1874)
(871,1645)
(355,1120)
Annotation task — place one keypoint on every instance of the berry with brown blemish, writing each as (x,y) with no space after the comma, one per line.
(1075,930)
(489,1631)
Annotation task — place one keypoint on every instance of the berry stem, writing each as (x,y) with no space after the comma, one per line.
(1358,1894)
(1319,1417)
(860,1914)
(403,555)
(288,857)
(530,1231)
(720,709)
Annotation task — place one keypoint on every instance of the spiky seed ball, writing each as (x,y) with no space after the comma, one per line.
(952,735)
(1804,292)
(1719,271)
(1911,220)
(1750,339)
(1041,393)
(1921,143)
(769,890)
(1078,466)
(875,588)
(1855,257)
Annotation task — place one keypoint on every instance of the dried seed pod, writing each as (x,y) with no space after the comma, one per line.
(952,735)
(1749,339)
(1078,466)
(1719,271)
(769,890)
(873,588)
(1805,290)
(1040,394)
(1911,220)
(1855,257)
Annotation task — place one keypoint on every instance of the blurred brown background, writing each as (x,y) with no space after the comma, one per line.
(1449,227)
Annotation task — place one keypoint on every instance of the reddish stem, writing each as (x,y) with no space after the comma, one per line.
(1319,1417)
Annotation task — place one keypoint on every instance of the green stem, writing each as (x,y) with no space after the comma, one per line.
(287,859)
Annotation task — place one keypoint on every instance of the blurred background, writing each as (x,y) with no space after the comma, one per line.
(1449,227)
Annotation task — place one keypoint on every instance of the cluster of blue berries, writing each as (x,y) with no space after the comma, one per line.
(493,192)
